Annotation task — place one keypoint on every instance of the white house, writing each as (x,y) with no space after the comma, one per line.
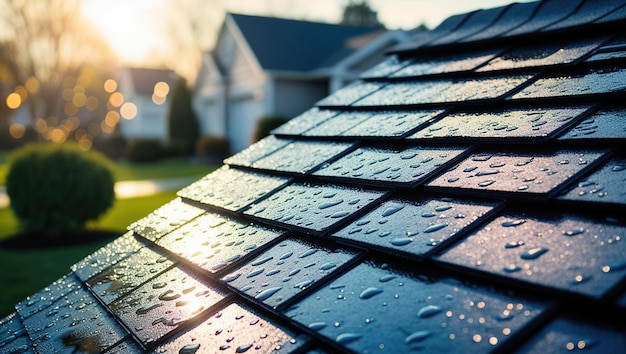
(264,66)
(146,100)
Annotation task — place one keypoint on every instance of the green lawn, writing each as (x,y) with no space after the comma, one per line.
(25,272)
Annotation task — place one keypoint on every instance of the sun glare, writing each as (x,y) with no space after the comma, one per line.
(133,28)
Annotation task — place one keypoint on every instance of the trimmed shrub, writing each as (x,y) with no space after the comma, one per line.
(113,146)
(266,124)
(212,149)
(56,189)
(142,150)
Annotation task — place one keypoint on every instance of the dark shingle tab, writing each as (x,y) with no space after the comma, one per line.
(595,81)
(257,151)
(112,253)
(44,298)
(338,124)
(548,12)
(78,323)
(434,223)
(392,124)
(454,62)
(513,16)
(604,186)
(165,219)
(517,174)
(543,55)
(448,25)
(304,121)
(405,166)
(286,270)
(589,11)
(375,306)
(213,242)
(350,93)
(235,329)
(302,156)
(165,303)
(313,208)
(385,68)
(565,252)
(530,125)
(443,91)
(476,22)
(122,277)
(607,124)
(231,189)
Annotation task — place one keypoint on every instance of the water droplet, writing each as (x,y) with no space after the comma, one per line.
(243,348)
(189,349)
(159,285)
(232,277)
(574,232)
(470,169)
(327,266)
(511,268)
(433,228)
(308,253)
(345,338)
(316,326)
(392,210)
(370,292)
(486,183)
(513,223)
(618,168)
(534,253)
(255,273)
(340,214)
(330,204)
(304,284)
(487,173)
(286,255)
(428,215)
(224,347)
(428,311)
(443,208)
(401,241)
(145,309)
(261,261)
(614,267)
(265,294)
(169,295)
(417,336)
(386,278)
(514,244)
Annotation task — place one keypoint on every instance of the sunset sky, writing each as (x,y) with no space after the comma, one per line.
(136,28)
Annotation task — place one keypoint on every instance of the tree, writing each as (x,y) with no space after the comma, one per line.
(182,120)
(45,47)
(360,14)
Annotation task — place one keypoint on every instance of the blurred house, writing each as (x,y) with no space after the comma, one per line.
(146,101)
(265,66)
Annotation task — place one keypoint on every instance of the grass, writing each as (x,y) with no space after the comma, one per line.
(24,272)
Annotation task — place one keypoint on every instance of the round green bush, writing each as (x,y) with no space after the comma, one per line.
(142,150)
(55,189)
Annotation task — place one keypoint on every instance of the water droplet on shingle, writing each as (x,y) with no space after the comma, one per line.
(534,253)
(417,336)
(486,183)
(265,294)
(513,223)
(428,311)
(243,348)
(401,241)
(345,338)
(574,232)
(433,228)
(370,292)
(189,349)
(392,210)
(330,204)
(316,326)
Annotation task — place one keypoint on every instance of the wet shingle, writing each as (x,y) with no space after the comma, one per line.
(164,303)
(375,306)
(313,208)
(44,298)
(605,125)
(165,219)
(127,274)
(301,156)
(606,185)
(78,323)
(256,151)
(392,124)
(304,121)
(235,329)
(404,166)
(547,13)
(534,125)
(517,174)
(416,227)
(446,64)
(514,15)
(565,252)
(214,242)
(338,124)
(112,253)
(350,94)
(385,68)
(285,270)
(231,189)
(440,91)
(13,336)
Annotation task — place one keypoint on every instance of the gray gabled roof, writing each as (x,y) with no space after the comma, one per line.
(461,197)
(292,45)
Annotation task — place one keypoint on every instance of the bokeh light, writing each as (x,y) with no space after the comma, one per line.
(17,131)
(14,101)
(128,110)
(116,99)
(110,86)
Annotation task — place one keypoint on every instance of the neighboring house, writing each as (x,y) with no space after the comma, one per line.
(268,66)
(152,101)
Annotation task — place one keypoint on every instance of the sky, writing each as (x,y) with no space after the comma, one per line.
(136,28)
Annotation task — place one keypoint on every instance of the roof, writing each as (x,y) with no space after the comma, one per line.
(293,45)
(144,79)
(462,196)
